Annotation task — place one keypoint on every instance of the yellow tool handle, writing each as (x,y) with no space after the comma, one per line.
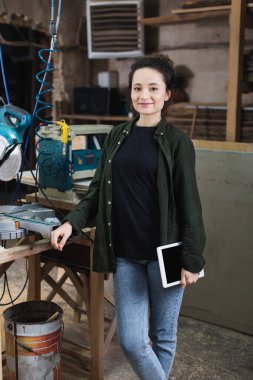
(65,131)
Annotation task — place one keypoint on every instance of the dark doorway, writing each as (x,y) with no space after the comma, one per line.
(20,48)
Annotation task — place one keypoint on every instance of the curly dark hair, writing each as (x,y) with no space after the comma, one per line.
(161,63)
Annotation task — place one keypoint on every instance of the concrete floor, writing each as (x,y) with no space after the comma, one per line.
(205,351)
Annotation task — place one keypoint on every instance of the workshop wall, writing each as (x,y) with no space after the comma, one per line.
(202,48)
(71,60)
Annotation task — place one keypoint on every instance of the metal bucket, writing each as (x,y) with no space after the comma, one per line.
(33,333)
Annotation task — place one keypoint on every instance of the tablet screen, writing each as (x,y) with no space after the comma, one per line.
(172,263)
(169,258)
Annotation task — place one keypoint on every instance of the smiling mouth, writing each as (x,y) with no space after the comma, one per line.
(145,104)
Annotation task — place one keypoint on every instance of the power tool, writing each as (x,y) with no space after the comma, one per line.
(13,123)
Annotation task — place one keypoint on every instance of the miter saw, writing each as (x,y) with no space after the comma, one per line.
(13,123)
(16,221)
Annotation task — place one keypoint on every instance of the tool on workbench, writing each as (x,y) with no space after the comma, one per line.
(13,123)
(10,229)
(30,217)
(67,154)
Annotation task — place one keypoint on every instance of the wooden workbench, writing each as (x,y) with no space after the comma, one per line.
(32,250)
(79,188)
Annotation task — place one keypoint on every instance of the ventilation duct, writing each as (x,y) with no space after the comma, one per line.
(113,28)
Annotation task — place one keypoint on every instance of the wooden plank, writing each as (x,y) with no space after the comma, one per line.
(34,289)
(235,73)
(110,334)
(1,359)
(78,284)
(223,145)
(27,250)
(202,3)
(34,292)
(16,253)
(60,282)
(4,267)
(202,9)
(97,321)
(62,293)
(58,203)
(182,18)
(97,325)
(86,288)
(178,18)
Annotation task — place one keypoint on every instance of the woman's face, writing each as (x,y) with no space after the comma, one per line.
(148,92)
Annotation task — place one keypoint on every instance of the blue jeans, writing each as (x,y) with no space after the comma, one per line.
(146,312)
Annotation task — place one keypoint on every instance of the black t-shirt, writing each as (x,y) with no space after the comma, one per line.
(135,206)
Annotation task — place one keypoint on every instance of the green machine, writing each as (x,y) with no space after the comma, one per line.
(66,154)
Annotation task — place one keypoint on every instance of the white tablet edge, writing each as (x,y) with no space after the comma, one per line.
(162,268)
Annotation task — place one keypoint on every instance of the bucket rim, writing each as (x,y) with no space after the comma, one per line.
(35,302)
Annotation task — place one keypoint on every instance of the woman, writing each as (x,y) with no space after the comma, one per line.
(144,194)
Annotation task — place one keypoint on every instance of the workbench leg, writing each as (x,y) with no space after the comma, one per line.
(34,285)
(97,325)
(1,359)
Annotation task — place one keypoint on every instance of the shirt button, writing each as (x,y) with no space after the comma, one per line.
(110,244)
(161,133)
(109,202)
(118,142)
(109,161)
(109,223)
(109,182)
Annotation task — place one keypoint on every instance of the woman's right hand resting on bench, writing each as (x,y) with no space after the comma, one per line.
(61,235)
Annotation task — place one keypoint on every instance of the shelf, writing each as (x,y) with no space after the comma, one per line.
(182,18)
(240,15)
(192,15)
(202,9)
(207,9)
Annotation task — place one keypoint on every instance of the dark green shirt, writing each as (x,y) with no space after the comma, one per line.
(180,207)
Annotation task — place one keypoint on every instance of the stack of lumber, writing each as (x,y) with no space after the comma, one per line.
(247,125)
(202,6)
(198,4)
(248,67)
(203,3)
(208,122)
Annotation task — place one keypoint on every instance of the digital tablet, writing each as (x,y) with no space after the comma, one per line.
(169,259)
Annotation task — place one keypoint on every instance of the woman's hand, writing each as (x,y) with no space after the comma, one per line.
(188,278)
(61,235)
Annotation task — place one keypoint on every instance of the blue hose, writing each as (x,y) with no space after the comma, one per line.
(3,75)
(41,76)
(41,105)
(46,87)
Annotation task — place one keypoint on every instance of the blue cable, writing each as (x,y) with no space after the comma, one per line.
(3,75)
(49,67)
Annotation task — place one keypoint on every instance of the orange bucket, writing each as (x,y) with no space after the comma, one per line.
(33,334)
